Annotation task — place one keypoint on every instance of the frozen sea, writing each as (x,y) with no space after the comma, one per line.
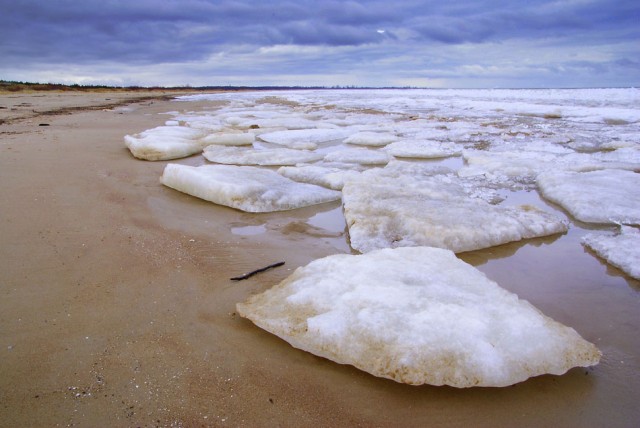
(510,180)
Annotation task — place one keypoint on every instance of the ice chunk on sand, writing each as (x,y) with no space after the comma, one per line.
(361,156)
(304,138)
(371,138)
(165,142)
(422,149)
(418,316)
(622,250)
(605,196)
(333,178)
(245,188)
(230,138)
(247,156)
(436,211)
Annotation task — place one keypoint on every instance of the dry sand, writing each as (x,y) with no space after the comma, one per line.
(116,307)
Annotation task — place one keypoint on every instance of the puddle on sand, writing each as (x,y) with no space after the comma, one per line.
(249,230)
(332,220)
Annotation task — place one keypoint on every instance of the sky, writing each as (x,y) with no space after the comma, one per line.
(417,43)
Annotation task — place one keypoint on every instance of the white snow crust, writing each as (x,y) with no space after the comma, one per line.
(418,316)
(621,250)
(604,196)
(250,156)
(390,208)
(244,188)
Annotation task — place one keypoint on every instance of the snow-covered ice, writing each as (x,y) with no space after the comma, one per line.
(303,138)
(390,208)
(230,138)
(418,316)
(367,138)
(621,250)
(604,196)
(165,142)
(422,149)
(331,177)
(251,156)
(358,156)
(245,188)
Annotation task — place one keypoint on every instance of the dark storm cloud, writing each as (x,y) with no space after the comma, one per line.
(35,33)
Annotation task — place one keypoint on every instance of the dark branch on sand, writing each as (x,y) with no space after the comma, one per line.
(250,274)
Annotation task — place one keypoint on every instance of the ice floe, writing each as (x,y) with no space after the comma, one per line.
(418,316)
(304,138)
(422,149)
(230,138)
(371,138)
(251,156)
(331,177)
(245,188)
(359,156)
(604,196)
(621,250)
(390,208)
(165,142)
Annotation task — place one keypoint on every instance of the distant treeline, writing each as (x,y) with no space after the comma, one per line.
(13,86)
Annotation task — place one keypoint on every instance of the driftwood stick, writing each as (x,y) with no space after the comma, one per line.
(250,274)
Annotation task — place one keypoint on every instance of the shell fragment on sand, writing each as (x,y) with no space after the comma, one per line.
(250,156)
(419,316)
(605,196)
(245,188)
(165,142)
(621,250)
(388,209)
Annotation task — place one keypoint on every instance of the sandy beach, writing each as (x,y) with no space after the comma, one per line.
(116,306)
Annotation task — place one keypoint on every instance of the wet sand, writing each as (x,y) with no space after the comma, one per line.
(116,307)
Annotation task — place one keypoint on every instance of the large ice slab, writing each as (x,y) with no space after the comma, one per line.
(621,250)
(245,188)
(331,177)
(390,208)
(605,196)
(418,316)
(367,138)
(359,156)
(250,156)
(303,138)
(165,142)
(422,149)
(230,138)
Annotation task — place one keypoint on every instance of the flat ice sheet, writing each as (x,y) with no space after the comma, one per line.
(621,250)
(367,138)
(359,156)
(606,196)
(250,156)
(165,142)
(389,209)
(331,177)
(418,316)
(245,188)
(303,138)
(230,138)
(422,149)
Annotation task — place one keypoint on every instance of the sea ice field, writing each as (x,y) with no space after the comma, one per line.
(442,172)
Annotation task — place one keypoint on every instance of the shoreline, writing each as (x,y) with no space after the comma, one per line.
(117,306)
